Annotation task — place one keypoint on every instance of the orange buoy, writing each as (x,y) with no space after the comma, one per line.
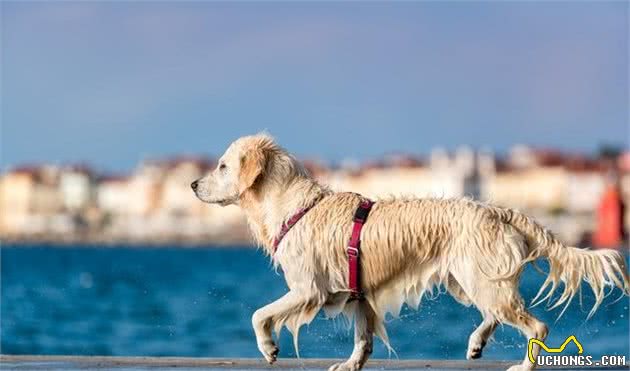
(609,232)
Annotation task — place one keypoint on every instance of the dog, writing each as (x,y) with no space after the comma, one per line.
(409,245)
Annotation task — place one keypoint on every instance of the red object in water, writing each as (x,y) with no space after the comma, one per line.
(609,232)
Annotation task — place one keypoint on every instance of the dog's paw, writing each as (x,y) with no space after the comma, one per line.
(345,366)
(520,367)
(474,353)
(269,350)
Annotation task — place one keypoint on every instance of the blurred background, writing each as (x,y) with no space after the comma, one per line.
(111,109)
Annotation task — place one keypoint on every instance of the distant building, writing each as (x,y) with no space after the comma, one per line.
(177,198)
(532,188)
(180,211)
(112,195)
(384,182)
(155,202)
(75,185)
(32,203)
(444,176)
(16,198)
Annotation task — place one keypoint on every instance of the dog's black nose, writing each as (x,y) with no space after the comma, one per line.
(194,185)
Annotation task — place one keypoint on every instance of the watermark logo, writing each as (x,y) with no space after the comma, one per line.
(560,349)
(570,360)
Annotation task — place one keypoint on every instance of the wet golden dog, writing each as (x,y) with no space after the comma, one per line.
(409,245)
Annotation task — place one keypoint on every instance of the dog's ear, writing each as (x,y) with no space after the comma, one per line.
(253,163)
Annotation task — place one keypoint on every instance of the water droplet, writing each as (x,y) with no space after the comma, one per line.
(85,280)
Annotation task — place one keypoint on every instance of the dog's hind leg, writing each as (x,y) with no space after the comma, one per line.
(531,327)
(364,321)
(478,339)
(504,302)
(480,336)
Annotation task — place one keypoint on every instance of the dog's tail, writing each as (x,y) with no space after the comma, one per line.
(569,265)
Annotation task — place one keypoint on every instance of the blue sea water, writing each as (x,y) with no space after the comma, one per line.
(130,301)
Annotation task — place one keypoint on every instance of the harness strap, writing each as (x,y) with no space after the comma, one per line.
(354,248)
(286,227)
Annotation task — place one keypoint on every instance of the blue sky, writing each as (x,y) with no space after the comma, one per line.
(111,83)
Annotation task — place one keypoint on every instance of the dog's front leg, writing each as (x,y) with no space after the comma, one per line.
(264,319)
(363,336)
(480,336)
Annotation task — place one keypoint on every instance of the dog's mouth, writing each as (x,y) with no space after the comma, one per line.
(220,202)
(209,199)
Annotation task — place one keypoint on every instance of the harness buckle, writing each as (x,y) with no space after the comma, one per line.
(361,214)
(352,251)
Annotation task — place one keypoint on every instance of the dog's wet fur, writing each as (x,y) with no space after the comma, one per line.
(409,245)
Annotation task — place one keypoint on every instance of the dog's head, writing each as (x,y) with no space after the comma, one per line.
(251,163)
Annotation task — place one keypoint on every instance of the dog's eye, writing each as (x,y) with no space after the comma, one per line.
(222,167)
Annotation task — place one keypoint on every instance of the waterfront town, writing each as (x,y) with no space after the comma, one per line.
(579,197)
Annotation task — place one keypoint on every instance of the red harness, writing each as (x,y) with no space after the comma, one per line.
(354,245)
(354,249)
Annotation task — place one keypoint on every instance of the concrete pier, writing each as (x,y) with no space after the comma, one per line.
(73,363)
